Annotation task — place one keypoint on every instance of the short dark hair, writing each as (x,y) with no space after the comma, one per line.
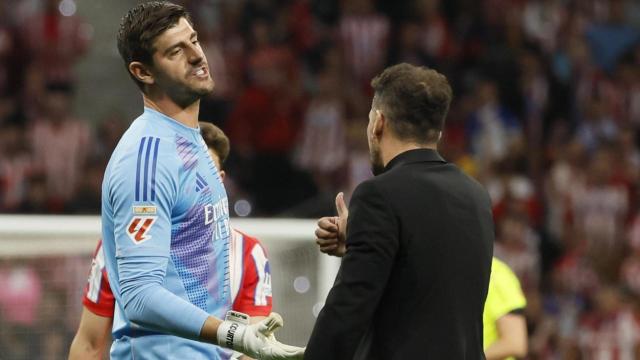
(141,26)
(216,140)
(414,99)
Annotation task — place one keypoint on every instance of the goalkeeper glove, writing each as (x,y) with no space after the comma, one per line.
(257,340)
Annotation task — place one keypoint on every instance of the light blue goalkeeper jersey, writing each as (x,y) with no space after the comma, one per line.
(165,225)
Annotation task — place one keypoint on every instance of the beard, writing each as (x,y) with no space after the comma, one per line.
(185,94)
(377,165)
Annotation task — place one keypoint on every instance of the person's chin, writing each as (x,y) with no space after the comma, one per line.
(200,91)
(205,89)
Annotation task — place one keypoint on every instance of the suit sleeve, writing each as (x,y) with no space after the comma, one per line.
(143,191)
(372,244)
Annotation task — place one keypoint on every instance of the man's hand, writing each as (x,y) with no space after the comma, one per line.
(331,233)
(256,340)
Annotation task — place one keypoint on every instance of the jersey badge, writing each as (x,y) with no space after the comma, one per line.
(139,227)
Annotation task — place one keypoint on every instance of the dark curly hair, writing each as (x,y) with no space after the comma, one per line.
(415,99)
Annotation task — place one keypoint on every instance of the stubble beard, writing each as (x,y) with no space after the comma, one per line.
(377,166)
(185,94)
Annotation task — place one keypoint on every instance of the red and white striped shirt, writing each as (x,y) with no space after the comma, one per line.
(364,42)
(613,336)
(323,145)
(70,141)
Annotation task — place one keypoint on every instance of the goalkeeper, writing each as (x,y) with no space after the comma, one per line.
(250,276)
(165,218)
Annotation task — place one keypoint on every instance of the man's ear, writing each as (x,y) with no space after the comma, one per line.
(141,72)
(378,123)
(222,174)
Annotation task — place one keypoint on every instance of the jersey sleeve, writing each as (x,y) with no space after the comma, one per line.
(255,295)
(142,194)
(97,296)
(143,190)
(505,293)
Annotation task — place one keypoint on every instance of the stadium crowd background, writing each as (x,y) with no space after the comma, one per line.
(546,115)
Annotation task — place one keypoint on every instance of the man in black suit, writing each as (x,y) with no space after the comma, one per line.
(416,241)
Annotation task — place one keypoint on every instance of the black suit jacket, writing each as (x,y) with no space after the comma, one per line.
(414,279)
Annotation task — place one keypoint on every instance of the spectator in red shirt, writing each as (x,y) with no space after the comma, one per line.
(70,137)
(610,331)
(364,35)
(56,39)
(264,127)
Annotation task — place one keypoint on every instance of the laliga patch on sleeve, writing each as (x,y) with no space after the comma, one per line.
(139,227)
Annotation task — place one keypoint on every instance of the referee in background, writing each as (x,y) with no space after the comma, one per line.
(416,240)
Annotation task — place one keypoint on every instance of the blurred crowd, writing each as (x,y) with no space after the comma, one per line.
(546,115)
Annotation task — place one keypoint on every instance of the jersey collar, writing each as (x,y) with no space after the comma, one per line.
(178,126)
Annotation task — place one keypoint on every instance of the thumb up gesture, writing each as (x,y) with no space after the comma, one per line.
(331,232)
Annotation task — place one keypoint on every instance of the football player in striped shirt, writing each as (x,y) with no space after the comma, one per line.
(165,216)
(250,276)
